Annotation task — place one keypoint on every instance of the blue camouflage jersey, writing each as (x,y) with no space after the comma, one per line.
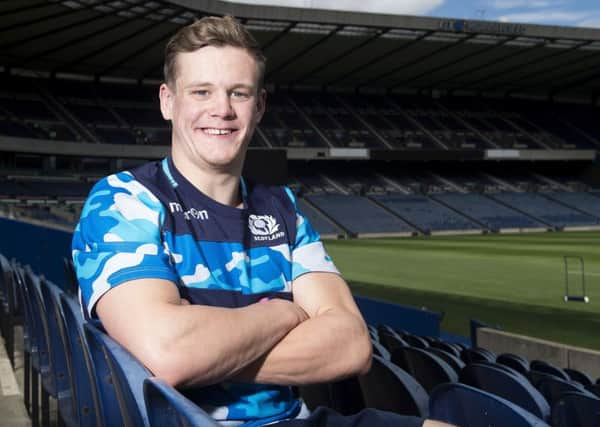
(151,222)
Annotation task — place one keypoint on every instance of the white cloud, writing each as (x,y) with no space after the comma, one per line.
(394,7)
(546,16)
(530,4)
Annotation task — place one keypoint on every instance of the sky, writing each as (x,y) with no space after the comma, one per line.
(575,13)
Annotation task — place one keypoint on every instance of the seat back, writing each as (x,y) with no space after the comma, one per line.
(428,369)
(466,406)
(389,388)
(514,388)
(576,409)
(548,368)
(515,362)
(89,405)
(62,375)
(166,407)
(477,354)
(126,372)
(453,361)
(552,387)
(576,375)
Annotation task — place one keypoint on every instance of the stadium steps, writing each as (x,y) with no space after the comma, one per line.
(364,123)
(329,218)
(311,122)
(391,212)
(469,217)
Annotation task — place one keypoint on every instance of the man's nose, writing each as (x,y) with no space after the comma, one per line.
(221,106)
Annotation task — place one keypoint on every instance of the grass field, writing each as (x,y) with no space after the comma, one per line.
(515,281)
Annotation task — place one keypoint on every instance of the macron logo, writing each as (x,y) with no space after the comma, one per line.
(190,214)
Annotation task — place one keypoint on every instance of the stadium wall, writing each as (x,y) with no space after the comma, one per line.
(41,247)
(561,355)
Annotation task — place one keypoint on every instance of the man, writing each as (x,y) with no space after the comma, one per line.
(268,307)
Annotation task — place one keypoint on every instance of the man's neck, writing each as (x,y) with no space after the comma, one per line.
(220,185)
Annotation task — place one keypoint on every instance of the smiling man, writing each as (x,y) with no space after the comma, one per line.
(214,282)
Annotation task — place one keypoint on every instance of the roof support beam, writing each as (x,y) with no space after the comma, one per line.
(519,66)
(146,46)
(377,59)
(418,60)
(304,51)
(53,31)
(65,12)
(101,49)
(340,56)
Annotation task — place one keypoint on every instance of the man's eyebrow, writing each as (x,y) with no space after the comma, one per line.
(196,84)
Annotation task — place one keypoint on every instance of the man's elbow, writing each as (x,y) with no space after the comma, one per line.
(364,356)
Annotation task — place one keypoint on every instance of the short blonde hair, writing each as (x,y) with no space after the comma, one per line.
(211,31)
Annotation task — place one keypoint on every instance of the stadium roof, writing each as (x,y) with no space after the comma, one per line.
(124,39)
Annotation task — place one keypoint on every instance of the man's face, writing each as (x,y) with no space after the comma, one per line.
(214,107)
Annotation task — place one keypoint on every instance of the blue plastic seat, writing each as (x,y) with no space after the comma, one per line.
(89,406)
(416,341)
(518,363)
(548,368)
(126,372)
(512,387)
(166,407)
(428,369)
(30,381)
(64,385)
(41,362)
(390,338)
(447,347)
(466,406)
(552,387)
(10,310)
(576,375)
(477,354)
(454,361)
(380,350)
(575,409)
(389,388)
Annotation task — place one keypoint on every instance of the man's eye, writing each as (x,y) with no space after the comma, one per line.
(239,94)
(200,92)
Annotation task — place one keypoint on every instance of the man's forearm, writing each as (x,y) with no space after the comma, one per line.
(330,346)
(193,344)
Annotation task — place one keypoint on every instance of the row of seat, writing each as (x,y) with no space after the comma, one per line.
(96,382)
(562,397)
(93,380)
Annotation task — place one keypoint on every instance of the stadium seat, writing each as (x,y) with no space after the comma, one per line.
(477,354)
(548,368)
(29,344)
(455,362)
(415,341)
(166,407)
(514,361)
(10,311)
(62,375)
(466,406)
(380,350)
(576,375)
(41,360)
(72,285)
(390,338)
(574,409)
(89,407)
(428,369)
(389,388)
(552,387)
(447,347)
(512,387)
(120,379)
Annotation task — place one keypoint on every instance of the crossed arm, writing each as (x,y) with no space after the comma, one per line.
(319,337)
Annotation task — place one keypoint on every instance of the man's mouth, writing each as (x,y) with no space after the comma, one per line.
(215,131)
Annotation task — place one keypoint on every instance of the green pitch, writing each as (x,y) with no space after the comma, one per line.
(515,281)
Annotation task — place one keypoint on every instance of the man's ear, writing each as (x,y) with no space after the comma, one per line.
(166,101)
(261,104)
